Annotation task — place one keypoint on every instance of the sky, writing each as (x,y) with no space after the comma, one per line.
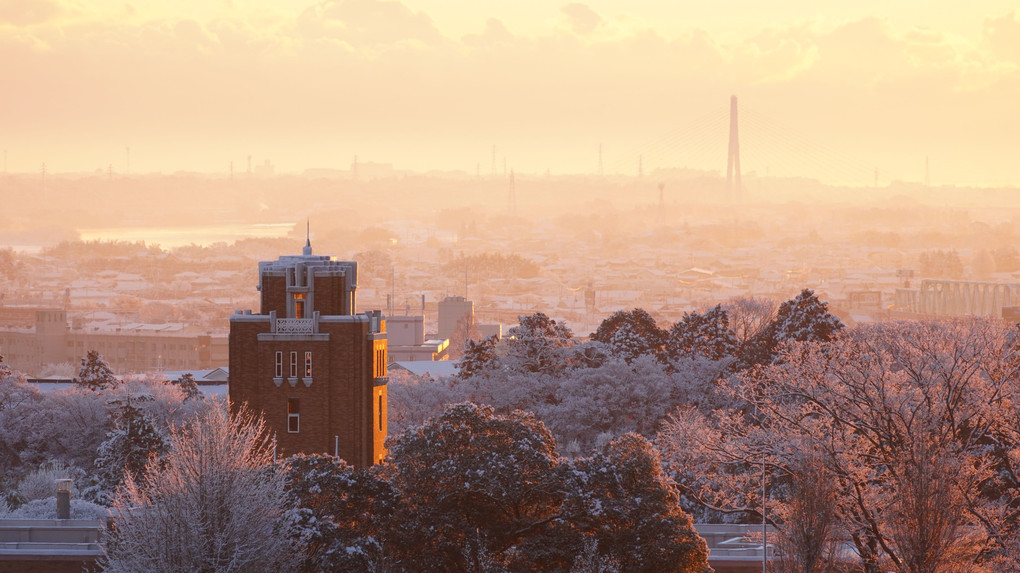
(834,90)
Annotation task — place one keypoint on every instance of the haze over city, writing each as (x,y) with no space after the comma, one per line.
(425,85)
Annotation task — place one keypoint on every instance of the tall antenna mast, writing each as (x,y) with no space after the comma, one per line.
(512,199)
(733,186)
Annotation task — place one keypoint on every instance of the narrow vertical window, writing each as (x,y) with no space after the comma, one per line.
(308,364)
(293,415)
(380,412)
(299,305)
(293,364)
(279,364)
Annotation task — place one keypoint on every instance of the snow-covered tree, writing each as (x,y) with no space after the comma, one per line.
(46,508)
(622,498)
(188,386)
(803,318)
(412,399)
(479,357)
(914,425)
(615,399)
(476,481)
(706,335)
(128,447)
(13,388)
(538,344)
(749,315)
(344,514)
(215,504)
(631,334)
(95,374)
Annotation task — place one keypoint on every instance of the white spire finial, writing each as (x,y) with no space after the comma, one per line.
(308,238)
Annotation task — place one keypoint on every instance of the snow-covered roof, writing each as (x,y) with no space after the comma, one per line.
(435,369)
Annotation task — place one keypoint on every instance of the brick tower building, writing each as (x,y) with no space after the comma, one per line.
(313,368)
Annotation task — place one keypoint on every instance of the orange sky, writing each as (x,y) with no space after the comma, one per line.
(832,92)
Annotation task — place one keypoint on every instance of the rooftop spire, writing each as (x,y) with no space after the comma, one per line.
(308,238)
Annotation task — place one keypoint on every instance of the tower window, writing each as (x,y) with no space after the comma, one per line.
(299,305)
(293,364)
(293,415)
(279,364)
(380,362)
(308,364)
(380,411)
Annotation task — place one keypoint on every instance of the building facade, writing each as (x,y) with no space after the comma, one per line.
(312,366)
(33,338)
(406,340)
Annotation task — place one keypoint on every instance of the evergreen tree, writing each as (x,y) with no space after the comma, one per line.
(127,448)
(95,375)
(344,513)
(802,319)
(622,498)
(631,334)
(188,386)
(479,357)
(474,482)
(708,335)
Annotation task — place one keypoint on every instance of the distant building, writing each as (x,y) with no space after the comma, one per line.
(406,340)
(454,311)
(309,364)
(457,320)
(266,169)
(33,338)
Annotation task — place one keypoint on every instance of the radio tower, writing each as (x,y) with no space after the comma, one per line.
(662,204)
(733,186)
(512,198)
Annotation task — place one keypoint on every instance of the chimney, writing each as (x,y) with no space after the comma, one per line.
(63,499)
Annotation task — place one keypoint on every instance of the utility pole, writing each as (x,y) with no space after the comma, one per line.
(764,529)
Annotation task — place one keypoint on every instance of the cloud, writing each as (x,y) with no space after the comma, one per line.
(1003,35)
(29,12)
(368,23)
(495,33)
(581,19)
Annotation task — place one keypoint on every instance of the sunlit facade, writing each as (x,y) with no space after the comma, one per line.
(309,364)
